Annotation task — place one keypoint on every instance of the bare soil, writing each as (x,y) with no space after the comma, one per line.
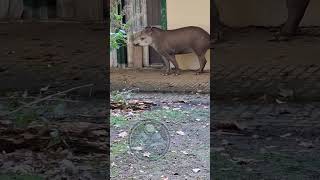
(189,149)
(62,55)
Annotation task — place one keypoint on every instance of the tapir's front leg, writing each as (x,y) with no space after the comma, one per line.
(166,63)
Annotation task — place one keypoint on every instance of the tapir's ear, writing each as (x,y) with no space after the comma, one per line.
(149,30)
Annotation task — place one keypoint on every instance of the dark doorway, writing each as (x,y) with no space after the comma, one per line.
(154,19)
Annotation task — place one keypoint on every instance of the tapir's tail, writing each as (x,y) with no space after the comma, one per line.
(212,43)
(217,37)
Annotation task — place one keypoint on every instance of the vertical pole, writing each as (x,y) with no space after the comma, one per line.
(145,23)
(164,14)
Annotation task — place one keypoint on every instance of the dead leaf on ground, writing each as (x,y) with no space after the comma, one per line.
(196,170)
(164,177)
(184,152)
(146,154)
(180,133)
(225,169)
(286,135)
(134,105)
(240,160)
(45,88)
(280,102)
(225,142)
(231,125)
(123,134)
(286,92)
(255,136)
(307,144)
(218,149)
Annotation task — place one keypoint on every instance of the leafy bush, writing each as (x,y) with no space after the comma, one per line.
(118,28)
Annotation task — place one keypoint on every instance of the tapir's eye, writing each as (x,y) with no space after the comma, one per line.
(142,38)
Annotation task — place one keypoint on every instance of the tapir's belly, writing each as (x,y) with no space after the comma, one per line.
(180,50)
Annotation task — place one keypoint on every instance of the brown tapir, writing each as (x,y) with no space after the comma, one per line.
(296,10)
(168,43)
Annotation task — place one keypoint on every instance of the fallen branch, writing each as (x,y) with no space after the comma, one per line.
(47,97)
(227,133)
(84,137)
(32,97)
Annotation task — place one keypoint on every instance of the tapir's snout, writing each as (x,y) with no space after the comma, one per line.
(135,43)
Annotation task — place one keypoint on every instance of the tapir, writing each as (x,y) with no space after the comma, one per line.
(296,10)
(168,43)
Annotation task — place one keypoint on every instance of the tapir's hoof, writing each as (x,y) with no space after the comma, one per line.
(281,37)
(198,72)
(177,73)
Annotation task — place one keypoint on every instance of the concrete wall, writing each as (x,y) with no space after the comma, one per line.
(263,12)
(182,13)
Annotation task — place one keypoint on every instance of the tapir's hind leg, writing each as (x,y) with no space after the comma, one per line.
(202,62)
(167,65)
(296,11)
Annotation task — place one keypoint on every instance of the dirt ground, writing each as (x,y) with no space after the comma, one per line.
(63,137)
(62,55)
(257,140)
(187,119)
(249,140)
(265,113)
(248,65)
(148,80)
(58,137)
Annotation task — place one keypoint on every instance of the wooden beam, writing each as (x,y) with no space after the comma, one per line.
(138,14)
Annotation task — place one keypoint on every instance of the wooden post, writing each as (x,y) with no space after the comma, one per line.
(137,56)
(113,58)
(4,9)
(137,13)
(16,9)
(146,62)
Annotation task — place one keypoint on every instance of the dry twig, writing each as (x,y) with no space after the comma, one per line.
(46,98)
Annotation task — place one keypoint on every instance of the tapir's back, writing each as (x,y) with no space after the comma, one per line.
(190,37)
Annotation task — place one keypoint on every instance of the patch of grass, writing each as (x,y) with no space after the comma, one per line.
(24,118)
(114,172)
(225,169)
(117,97)
(20,177)
(271,165)
(118,121)
(175,115)
(118,148)
(120,97)
(292,166)
(199,113)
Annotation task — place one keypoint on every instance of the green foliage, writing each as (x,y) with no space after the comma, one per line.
(118,148)
(24,118)
(118,121)
(121,97)
(118,39)
(117,97)
(118,28)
